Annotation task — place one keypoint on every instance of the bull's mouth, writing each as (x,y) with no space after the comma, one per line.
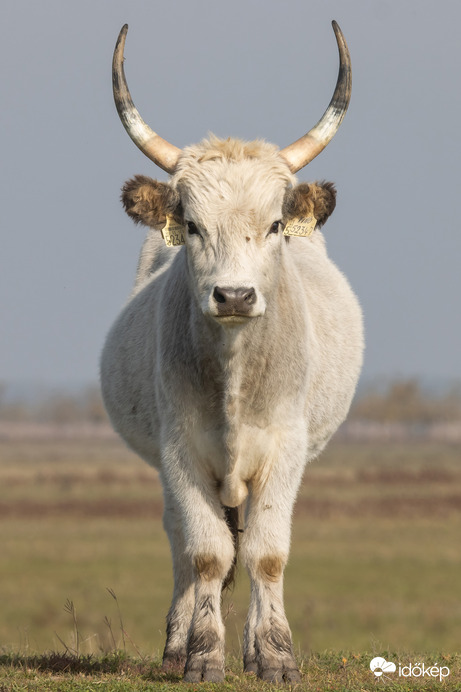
(232,319)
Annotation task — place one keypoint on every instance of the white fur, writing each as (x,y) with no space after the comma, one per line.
(229,411)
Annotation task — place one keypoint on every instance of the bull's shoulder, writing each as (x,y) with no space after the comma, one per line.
(304,251)
(155,258)
(317,271)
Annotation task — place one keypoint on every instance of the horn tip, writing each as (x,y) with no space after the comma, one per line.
(120,45)
(122,34)
(335,26)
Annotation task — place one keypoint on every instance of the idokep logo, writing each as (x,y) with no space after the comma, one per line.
(380,667)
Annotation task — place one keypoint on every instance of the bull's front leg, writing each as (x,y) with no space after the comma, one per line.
(268,649)
(209,548)
(205,646)
(182,607)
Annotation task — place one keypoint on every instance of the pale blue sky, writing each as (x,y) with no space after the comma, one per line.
(250,69)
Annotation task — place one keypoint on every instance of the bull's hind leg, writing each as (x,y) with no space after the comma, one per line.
(182,607)
(268,648)
(210,550)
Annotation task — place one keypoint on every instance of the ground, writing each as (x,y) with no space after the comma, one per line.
(374,567)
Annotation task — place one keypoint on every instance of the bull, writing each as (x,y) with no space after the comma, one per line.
(233,362)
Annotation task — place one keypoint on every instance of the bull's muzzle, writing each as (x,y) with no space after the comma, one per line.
(234,302)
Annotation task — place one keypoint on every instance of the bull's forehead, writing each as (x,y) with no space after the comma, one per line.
(223,180)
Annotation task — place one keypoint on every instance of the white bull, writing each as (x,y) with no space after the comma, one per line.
(232,364)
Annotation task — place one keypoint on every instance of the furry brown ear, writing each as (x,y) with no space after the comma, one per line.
(308,198)
(149,202)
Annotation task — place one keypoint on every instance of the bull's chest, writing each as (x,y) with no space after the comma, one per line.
(237,453)
(222,449)
(239,430)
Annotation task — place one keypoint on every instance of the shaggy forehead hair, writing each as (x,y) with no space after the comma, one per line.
(217,177)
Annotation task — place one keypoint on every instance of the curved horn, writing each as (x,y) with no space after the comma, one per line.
(301,152)
(151,144)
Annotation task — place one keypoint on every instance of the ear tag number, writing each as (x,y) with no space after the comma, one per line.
(173,233)
(301,226)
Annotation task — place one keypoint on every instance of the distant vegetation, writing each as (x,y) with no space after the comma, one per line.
(398,401)
(52,406)
(406,401)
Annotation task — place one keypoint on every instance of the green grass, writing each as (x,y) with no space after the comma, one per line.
(116,672)
(375,565)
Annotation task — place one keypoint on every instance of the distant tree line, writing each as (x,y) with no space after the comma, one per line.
(398,401)
(406,401)
(53,406)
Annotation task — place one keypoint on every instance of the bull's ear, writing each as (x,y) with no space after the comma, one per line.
(149,202)
(310,198)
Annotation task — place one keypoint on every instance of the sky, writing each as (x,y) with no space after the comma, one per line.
(246,68)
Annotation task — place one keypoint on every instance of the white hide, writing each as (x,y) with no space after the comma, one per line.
(232,410)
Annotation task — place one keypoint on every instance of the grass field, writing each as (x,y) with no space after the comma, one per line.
(329,671)
(375,564)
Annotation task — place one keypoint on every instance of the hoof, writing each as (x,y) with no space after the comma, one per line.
(173,663)
(280,675)
(204,675)
(271,674)
(292,675)
(250,667)
(204,668)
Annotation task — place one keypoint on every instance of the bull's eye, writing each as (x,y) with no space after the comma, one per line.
(275,227)
(192,228)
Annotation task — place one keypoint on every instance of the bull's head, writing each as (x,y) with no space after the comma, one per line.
(231,197)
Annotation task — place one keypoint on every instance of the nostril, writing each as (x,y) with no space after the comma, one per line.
(250,296)
(218,296)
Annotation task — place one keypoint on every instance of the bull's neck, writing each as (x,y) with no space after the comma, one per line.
(231,345)
(252,363)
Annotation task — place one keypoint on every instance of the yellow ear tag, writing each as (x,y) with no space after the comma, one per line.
(173,233)
(302,226)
